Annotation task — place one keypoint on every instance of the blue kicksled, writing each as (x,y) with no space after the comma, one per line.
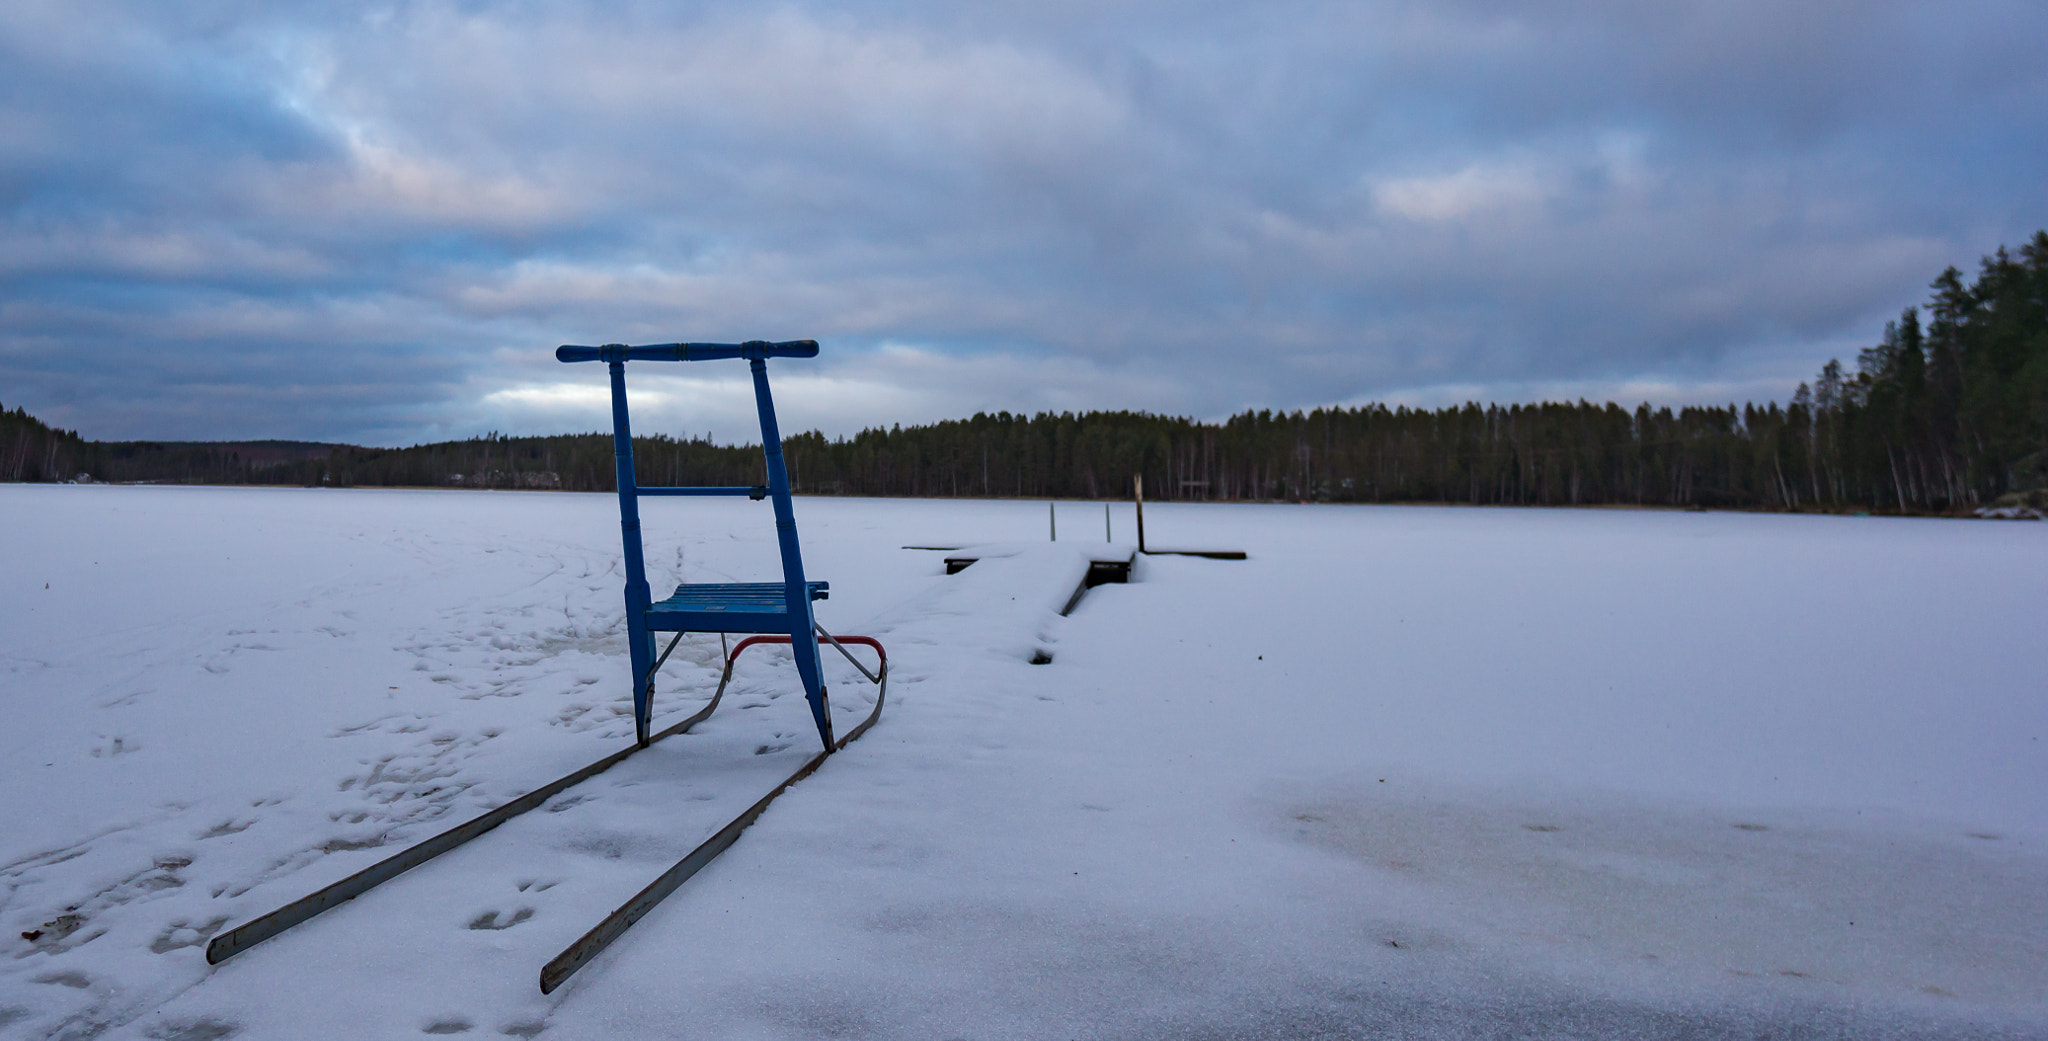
(724,607)
(772,612)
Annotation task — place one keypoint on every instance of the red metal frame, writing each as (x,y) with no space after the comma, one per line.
(866,641)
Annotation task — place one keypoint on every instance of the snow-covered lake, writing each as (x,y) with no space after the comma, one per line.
(1405,772)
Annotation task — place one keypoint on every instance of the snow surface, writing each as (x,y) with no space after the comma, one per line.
(1405,772)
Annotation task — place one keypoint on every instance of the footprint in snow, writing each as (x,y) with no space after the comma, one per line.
(119,746)
(491,920)
(194,1030)
(181,934)
(50,936)
(65,931)
(227,827)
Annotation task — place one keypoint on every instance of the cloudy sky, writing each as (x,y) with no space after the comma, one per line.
(373,223)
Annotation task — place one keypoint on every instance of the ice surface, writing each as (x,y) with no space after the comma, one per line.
(1405,772)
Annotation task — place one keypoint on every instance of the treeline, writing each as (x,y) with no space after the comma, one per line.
(1936,417)
(31,450)
(1942,414)
(1952,413)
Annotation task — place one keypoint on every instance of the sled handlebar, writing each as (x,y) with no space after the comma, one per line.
(752,349)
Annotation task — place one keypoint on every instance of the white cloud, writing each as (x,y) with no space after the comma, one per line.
(1478,189)
(580,399)
(142,249)
(386,180)
(841,393)
(1605,166)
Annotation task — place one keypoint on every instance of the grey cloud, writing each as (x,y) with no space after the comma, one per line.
(266,221)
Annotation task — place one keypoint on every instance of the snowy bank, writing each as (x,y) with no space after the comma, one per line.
(1407,772)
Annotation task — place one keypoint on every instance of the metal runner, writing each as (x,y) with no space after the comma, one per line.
(615,924)
(234,941)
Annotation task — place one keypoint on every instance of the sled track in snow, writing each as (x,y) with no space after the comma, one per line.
(256,930)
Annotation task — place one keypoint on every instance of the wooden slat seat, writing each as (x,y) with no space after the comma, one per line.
(728,607)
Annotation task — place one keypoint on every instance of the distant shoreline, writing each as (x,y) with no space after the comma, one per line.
(1958,514)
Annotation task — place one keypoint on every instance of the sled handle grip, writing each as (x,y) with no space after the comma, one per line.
(753,350)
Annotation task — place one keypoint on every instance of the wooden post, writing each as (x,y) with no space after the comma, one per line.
(1053,520)
(1138,494)
(1105,522)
